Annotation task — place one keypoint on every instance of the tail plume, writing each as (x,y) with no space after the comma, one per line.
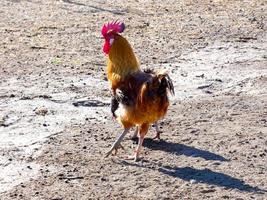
(165,83)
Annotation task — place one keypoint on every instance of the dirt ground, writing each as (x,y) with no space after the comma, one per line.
(55,121)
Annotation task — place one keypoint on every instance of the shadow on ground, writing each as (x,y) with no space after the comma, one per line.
(209,177)
(181,149)
(206,176)
(189,173)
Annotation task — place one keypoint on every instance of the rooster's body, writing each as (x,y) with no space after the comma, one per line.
(140,98)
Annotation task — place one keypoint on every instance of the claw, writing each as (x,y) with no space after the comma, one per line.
(115,149)
(108,153)
(117,143)
(157,135)
(134,157)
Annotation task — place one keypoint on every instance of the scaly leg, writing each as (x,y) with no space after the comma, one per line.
(142,132)
(157,131)
(139,146)
(117,143)
(134,137)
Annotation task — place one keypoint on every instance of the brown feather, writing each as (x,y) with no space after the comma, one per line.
(124,73)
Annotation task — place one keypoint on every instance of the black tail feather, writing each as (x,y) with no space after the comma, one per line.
(170,84)
(165,83)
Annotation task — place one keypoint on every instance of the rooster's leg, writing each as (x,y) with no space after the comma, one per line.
(139,146)
(134,137)
(117,143)
(142,132)
(158,132)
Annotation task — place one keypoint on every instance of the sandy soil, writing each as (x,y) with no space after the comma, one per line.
(55,123)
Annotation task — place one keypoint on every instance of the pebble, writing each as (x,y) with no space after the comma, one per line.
(41,111)
(193,181)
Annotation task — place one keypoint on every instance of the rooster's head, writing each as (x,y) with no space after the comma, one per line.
(108,31)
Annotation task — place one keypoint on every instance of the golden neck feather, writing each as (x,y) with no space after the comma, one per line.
(121,59)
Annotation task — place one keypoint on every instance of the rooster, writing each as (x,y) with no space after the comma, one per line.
(139,97)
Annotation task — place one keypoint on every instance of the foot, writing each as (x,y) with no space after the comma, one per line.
(114,148)
(117,143)
(157,135)
(134,157)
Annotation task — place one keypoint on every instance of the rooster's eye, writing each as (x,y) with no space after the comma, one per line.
(111,41)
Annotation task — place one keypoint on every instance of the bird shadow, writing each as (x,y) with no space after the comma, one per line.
(209,177)
(206,176)
(189,173)
(181,149)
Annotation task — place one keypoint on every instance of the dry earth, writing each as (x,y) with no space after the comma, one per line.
(55,123)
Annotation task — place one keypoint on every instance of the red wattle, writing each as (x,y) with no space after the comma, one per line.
(106,48)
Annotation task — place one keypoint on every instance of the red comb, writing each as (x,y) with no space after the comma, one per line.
(115,26)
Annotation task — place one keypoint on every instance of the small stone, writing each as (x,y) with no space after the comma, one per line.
(193,181)
(41,111)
